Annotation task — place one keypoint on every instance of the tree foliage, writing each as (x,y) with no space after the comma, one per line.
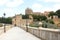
(58,13)
(6,20)
(51,21)
(51,14)
(39,17)
(25,16)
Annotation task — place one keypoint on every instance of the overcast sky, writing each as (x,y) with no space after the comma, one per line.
(12,7)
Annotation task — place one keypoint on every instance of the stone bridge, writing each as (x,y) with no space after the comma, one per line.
(30,33)
(16,33)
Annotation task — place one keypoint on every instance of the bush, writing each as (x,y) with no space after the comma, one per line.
(1,25)
(50,21)
(49,25)
(44,26)
(34,25)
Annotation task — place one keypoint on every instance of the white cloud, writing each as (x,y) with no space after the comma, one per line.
(11,3)
(10,11)
(44,9)
(52,8)
(8,6)
(36,5)
(41,8)
(2,2)
(56,6)
(47,9)
(51,0)
(14,3)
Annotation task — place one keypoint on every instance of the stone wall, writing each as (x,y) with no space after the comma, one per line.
(19,21)
(44,33)
(7,28)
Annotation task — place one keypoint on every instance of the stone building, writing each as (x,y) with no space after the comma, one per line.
(19,21)
(28,11)
(56,20)
(16,20)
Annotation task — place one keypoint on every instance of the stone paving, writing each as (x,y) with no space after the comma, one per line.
(17,33)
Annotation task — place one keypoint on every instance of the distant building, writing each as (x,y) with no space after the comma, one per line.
(37,13)
(28,11)
(56,19)
(18,21)
(46,13)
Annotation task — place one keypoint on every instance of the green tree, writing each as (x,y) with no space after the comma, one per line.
(58,13)
(39,17)
(25,16)
(6,20)
(51,14)
(51,21)
(43,18)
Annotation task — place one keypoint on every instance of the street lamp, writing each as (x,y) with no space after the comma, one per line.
(15,19)
(26,25)
(27,19)
(4,23)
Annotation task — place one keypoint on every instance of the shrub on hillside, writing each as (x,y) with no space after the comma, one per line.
(34,25)
(1,25)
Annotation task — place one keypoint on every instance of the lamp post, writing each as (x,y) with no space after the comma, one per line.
(27,17)
(4,23)
(15,19)
(26,25)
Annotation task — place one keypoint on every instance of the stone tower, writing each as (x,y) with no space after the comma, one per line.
(28,11)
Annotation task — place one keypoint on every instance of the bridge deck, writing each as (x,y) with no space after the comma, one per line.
(17,33)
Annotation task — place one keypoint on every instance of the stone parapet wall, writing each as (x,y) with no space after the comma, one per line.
(7,28)
(44,33)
